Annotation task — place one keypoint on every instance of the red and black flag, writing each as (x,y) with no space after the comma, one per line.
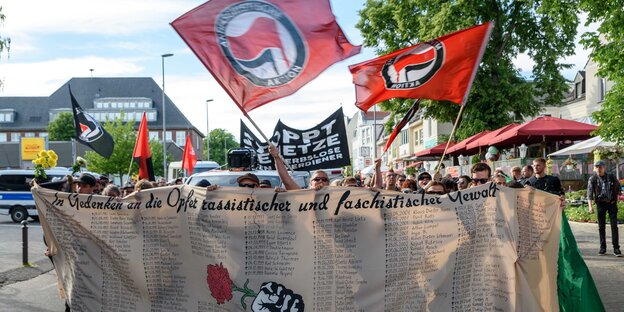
(260,51)
(440,69)
(189,159)
(89,132)
(408,116)
(142,154)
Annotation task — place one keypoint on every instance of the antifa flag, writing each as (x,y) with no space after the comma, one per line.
(440,69)
(142,154)
(89,132)
(409,115)
(321,147)
(260,51)
(189,159)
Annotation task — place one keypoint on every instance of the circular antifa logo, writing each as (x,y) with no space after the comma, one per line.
(415,67)
(90,130)
(261,43)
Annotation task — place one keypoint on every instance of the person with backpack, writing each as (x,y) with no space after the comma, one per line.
(604,188)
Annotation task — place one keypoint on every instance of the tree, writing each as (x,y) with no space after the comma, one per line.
(124,135)
(62,128)
(544,29)
(607,46)
(5,42)
(220,142)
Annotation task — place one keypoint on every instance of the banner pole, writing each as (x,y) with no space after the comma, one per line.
(129,170)
(266,139)
(451,136)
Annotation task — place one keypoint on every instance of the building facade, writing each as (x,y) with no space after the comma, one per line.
(104,99)
(362,129)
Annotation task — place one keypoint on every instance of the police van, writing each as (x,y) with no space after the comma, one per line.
(16,199)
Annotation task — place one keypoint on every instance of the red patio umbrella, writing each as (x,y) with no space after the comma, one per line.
(484,140)
(460,147)
(437,150)
(543,129)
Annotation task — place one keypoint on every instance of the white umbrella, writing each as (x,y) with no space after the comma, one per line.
(371,169)
(583,147)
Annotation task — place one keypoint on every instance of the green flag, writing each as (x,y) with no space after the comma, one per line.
(575,285)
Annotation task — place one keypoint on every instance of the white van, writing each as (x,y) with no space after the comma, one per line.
(175,168)
(228,178)
(15,196)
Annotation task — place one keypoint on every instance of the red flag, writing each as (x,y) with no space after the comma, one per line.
(189,159)
(142,154)
(409,115)
(440,69)
(260,51)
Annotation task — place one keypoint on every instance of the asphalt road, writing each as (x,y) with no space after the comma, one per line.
(35,289)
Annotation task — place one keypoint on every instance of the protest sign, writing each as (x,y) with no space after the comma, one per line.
(321,147)
(488,248)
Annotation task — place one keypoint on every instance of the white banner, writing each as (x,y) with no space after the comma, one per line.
(234,249)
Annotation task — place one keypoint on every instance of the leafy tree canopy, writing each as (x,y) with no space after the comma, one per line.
(5,42)
(124,135)
(607,45)
(62,128)
(221,141)
(543,29)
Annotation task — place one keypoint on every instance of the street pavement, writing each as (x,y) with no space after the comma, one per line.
(26,289)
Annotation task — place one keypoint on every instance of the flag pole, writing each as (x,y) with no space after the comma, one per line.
(129,170)
(266,139)
(451,136)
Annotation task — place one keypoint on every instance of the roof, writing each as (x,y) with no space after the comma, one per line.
(33,112)
(370,115)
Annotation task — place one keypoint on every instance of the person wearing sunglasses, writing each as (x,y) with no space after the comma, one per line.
(423,179)
(249,180)
(481,174)
(400,179)
(390,181)
(436,188)
(319,178)
(463,182)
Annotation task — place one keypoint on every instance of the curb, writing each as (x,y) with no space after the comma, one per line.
(25,273)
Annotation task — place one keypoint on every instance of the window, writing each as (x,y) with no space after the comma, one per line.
(180,138)
(151,116)
(29,135)
(404,137)
(3,137)
(168,135)
(416,137)
(15,136)
(421,138)
(579,89)
(153,135)
(43,134)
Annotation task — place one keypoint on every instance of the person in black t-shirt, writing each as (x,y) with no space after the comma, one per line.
(603,188)
(542,181)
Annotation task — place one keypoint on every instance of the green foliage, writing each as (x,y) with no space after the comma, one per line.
(410,170)
(124,135)
(581,213)
(62,128)
(221,141)
(543,29)
(607,45)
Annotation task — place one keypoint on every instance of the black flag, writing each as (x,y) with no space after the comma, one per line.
(89,131)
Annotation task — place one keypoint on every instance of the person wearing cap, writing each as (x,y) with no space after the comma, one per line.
(127,189)
(249,180)
(603,188)
(423,180)
(86,183)
(265,184)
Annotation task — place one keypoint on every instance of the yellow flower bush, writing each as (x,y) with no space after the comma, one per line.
(45,160)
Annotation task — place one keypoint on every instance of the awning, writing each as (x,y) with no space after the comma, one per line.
(437,150)
(543,129)
(484,141)
(460,147)
(583,147)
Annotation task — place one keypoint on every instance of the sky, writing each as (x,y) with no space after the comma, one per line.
(53,41)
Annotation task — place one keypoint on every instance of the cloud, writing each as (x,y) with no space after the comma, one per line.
(43,78)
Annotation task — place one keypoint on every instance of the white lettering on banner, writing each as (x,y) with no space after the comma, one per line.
(337,249)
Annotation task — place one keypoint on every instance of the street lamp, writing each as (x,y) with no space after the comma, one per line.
(207,132)
(460,158)
(164,133)
(523,151)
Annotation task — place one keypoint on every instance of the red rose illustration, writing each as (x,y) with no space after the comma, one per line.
(219,283)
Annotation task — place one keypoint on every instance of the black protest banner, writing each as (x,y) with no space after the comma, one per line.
(321,147)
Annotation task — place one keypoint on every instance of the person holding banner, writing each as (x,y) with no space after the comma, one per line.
(319,178)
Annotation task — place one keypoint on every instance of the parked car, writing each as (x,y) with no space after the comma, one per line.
(228,177)
(16,199)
